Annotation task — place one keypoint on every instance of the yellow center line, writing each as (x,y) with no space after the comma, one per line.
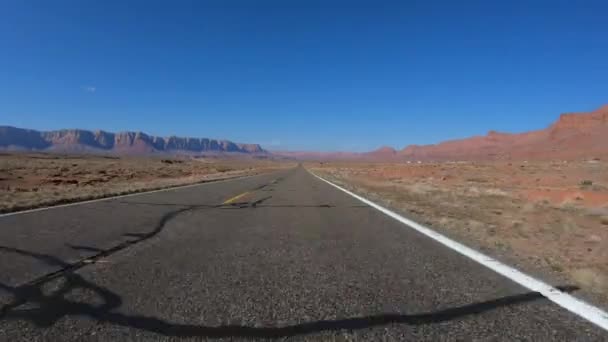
(230,200)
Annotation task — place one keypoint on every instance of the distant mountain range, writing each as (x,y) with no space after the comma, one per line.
(573,135)
(83,141)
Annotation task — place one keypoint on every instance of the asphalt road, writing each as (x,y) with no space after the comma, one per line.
(280,255)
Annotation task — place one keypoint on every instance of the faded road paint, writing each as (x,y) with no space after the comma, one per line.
(232,199)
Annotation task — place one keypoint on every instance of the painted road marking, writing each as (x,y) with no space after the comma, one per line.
(205,182)
(232,199)
(579,307)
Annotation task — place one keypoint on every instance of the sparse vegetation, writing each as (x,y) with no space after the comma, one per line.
(223,169)
(554,221)
(33,180)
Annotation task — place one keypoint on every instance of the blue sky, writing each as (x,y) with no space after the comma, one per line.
(301,75)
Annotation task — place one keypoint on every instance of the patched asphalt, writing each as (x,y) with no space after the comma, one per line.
(277,256)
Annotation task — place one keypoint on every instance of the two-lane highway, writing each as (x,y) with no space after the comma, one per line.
(281,255)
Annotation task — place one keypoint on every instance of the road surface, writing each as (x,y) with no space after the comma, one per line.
(281,255)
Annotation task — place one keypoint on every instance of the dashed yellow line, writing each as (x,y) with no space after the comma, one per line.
(230,200)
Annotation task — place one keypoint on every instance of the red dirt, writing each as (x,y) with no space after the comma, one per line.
(547,215)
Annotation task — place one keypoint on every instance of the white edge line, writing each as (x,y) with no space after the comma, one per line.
(579,307)
(177,187)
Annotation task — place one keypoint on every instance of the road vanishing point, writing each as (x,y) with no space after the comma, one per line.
(282,255)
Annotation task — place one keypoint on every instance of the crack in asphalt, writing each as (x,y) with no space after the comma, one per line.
(23,291)
(51,307)
(55,306)
(66,267)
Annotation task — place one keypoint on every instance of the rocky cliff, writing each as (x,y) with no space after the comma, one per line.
(77,140)
(573,135)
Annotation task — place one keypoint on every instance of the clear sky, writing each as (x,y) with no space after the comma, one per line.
(301,75)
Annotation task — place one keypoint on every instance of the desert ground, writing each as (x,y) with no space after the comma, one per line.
(548,216)
(30,180)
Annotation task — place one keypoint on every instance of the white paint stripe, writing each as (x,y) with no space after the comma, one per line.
(211,181)
(587,311)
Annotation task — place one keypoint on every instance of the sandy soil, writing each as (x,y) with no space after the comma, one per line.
(33,180)
(548,215)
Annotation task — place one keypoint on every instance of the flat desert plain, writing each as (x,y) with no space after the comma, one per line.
(30,180)
(548,216)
